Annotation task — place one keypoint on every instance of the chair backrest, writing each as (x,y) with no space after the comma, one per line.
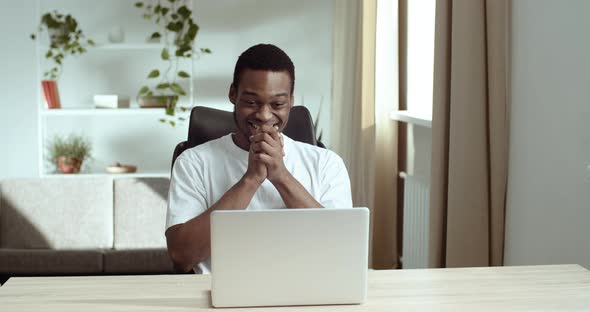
(208,124)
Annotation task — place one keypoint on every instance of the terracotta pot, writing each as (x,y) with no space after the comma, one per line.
(68,164)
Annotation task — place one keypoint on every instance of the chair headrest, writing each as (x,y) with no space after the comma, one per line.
(208,124)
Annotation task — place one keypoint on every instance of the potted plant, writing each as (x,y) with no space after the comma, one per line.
(178,33)
(65,38)
(68,153)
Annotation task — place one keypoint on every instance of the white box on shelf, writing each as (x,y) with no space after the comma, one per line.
(111,101)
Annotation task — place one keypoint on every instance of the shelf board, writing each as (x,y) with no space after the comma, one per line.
(102,111)
(416,118)
(128,46)
(106,174)
(119,46)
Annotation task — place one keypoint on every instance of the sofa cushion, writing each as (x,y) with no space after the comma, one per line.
(57,213)
(137,261)
(48,261)
(140,212)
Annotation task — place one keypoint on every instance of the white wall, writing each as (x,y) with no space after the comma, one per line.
(548,208)
(302,28)
(18,110)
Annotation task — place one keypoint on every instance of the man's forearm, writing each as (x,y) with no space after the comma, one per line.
(294,195)
(190,242)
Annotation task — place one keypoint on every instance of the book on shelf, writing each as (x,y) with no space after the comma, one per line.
(50,94)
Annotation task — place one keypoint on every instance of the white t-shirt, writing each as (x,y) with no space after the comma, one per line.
(202,174)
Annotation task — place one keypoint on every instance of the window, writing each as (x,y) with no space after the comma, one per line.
(420,55)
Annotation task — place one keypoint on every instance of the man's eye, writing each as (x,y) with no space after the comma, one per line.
(279,103)
(250,102)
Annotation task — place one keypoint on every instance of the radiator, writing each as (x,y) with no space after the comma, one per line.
(416,224)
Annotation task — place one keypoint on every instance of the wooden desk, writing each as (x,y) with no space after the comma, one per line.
(558,287)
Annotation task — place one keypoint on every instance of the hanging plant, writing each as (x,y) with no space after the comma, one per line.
(65,38)
(178,33)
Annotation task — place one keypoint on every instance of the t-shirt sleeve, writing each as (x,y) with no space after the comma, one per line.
(335,184)
(186,196)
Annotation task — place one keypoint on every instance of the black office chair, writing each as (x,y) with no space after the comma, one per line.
(207,124)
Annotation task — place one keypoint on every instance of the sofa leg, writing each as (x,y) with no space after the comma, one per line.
(3,279)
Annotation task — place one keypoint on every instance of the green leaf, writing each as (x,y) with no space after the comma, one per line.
(170,110)
(164,11)
(149,93)
(157,9)
(91,42)
(154,73)
(174,26)
(162,120)
(192,32)
(183,74)
(174,16)
(206,50)
(162,86)
(33,36)
(144,90)
(177,89)
(138,4)
(147,16)
(184,12)
(165,54)
(156,35)
(172,123)
(181,50)
(49,54)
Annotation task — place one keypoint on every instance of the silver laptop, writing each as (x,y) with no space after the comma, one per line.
(289,257)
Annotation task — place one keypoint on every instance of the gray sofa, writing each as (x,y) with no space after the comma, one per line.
(83,225)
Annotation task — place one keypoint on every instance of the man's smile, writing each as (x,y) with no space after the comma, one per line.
(255,126)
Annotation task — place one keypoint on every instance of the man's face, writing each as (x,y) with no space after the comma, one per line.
(261,98)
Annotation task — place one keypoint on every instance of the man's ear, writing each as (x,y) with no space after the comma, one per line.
(232,95)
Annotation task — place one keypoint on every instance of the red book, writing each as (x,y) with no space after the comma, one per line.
(51,94)
(45,89)
(56,102)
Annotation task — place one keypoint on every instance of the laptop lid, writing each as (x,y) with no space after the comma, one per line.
(289,257)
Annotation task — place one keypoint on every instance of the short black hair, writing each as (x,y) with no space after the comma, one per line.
(264,57)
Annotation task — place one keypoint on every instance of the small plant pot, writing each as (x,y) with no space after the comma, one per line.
(58,36)
(68,165)
(159,101)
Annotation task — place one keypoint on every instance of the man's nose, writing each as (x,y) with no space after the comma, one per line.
(264,113)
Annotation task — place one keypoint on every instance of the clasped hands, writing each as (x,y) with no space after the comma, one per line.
(265,160)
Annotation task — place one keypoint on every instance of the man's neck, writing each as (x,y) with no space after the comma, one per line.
(241,141)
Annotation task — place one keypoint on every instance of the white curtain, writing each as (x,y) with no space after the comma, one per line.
(362,134)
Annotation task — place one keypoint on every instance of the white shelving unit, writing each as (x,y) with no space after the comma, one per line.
(78,112)
(98,112)
(121,46)
(102,112)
